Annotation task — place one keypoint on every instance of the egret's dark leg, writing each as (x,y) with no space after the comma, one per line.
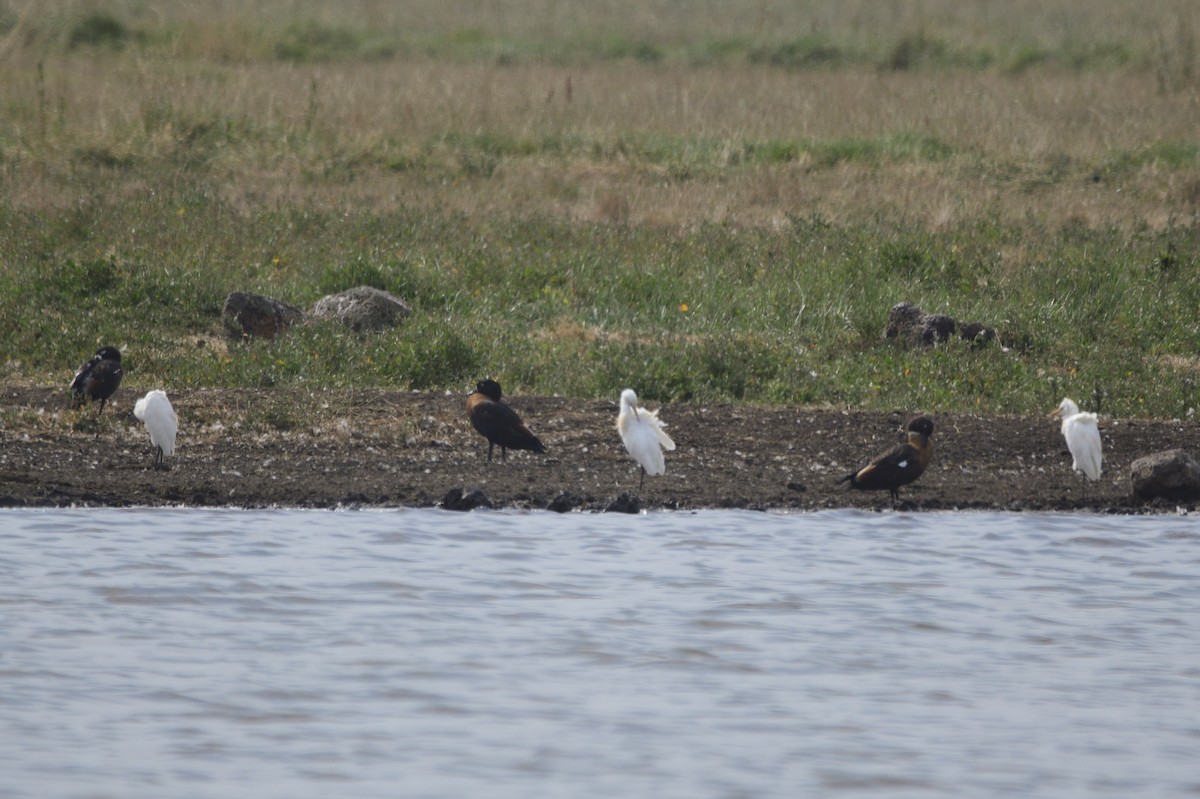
(503,454)
(642,482)
(490,445)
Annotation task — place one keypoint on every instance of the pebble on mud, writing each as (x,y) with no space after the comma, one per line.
(463,499)
(625,503)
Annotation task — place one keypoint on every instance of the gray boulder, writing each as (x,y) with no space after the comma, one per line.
(1172,474)
(255,316)
(363,308)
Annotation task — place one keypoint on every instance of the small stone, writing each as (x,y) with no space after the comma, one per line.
(625,503)
(977,333)
(564,503)
(464,499)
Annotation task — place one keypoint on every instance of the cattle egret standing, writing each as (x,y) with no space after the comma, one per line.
(1083,439)
(497,422)
(899,466)
(98,378)
(643,435)
(156,412)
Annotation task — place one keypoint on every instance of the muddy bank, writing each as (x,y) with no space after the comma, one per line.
(296,448)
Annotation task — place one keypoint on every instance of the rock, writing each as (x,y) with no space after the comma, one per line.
(1173,474)
(564,503)
(255,316)
(625,503)
(977,333)
(934,328)
(465,499)
(912,325)
(362,308)
(902,320)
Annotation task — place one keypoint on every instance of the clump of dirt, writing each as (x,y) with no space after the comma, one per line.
(321,449)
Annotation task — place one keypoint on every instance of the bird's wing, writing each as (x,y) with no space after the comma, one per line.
(80,380)
(1083,440)
(659,424)
(168,409)
(501,424)
(895,467)
(161,421)
(642,439)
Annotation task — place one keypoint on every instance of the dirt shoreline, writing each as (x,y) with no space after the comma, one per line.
(322,449)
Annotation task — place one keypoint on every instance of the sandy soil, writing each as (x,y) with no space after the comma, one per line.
(379,448)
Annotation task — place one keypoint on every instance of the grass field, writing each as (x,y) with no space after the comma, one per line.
(710,201)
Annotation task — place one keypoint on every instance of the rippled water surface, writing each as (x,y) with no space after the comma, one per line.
(419,653)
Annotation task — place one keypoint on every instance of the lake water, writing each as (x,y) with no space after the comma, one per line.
(421,653)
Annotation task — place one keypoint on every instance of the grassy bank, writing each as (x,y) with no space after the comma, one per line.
(714,313)
(579,199)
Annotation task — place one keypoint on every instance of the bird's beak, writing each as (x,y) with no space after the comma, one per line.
(1056,413)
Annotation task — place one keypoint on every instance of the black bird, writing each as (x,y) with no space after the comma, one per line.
(98,378)
(497,422)
(901,465)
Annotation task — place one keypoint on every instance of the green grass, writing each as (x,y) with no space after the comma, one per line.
(712,314)
(155,161)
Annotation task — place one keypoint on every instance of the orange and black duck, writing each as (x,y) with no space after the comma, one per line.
(900,466)
(97,379)
(497,422)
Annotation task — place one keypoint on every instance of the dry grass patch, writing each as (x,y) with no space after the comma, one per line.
(636,144)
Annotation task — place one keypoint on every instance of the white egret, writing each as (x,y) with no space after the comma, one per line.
(1083,439)
(156,412)
(643,435)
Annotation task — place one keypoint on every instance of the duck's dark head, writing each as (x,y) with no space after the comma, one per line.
(489,388)
(108,354)
(922,425)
